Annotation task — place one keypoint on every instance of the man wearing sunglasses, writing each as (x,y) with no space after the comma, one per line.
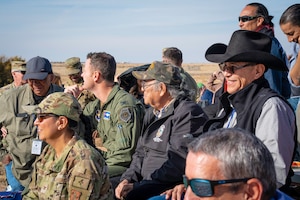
(230,164)
(255,17)
(18,69)
(19,125)
(249,103)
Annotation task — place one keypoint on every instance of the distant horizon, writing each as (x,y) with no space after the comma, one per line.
(132,31)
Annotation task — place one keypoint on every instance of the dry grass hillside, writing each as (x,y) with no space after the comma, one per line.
(199,71)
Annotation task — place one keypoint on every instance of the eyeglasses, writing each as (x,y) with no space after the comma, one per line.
(22,72)
(247,18)
(144,86)
(205,188)
(232,68)
(41,116)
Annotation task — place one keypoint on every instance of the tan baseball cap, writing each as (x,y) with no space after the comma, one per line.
(18,66)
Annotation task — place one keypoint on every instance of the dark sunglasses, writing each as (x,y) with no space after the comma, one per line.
(232,68)
(22,72)
(247,18)
(205,188)
(41,116)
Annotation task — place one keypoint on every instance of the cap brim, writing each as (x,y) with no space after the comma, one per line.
(38,76)
(217,53)
(142,75)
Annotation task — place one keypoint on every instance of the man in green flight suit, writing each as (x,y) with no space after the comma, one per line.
(19,125)
(115,116)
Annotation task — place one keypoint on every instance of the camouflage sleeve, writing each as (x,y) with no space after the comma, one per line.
(89,180)
(31,191)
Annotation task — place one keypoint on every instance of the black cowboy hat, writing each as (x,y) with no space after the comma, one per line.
(246,46)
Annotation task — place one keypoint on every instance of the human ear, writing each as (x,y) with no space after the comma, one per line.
(254,189)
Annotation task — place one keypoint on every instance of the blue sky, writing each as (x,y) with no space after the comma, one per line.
(130,30)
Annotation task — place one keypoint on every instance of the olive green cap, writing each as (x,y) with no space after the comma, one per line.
(163,72)
(73,65)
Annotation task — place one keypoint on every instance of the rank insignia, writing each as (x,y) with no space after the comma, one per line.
(125,115)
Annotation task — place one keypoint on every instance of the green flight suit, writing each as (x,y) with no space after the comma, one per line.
(118,123)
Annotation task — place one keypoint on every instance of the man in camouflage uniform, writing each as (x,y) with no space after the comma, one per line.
(73,70)
(173,55)
(115,116)
(19,125)
(18,69)
(68,167)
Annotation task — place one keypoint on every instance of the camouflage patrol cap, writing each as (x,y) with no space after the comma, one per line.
(163,72)
(73,65)
(58,103)
(18,66)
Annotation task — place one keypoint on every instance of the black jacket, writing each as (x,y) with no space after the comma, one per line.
(162,147)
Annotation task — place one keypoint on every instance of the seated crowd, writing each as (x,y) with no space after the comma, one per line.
(147,136)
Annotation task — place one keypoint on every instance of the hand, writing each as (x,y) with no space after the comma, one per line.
(123,189)
(6,159)
(4,131)
(75,90)
(175,193)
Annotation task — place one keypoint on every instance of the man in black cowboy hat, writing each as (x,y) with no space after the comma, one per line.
(249,103)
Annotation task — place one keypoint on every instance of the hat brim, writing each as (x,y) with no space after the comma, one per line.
(142,75)
(37,76)
(217,53)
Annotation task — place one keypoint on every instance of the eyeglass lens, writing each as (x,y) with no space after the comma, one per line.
(42,116)
(247,18)
(201,188)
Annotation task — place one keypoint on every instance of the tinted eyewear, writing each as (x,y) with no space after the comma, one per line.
(205,188)
(41,116)
(247,18)
(22,72)
(145,86)
(232,68)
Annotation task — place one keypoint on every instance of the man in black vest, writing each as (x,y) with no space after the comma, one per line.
(249,103)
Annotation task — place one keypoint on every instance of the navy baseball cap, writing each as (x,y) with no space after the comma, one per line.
(37,68)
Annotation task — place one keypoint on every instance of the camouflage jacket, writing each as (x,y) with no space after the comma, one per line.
(79,173)
(84,97)
(20,128)
(118,123)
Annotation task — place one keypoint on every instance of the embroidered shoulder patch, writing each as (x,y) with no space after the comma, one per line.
(125,115)
(81,182)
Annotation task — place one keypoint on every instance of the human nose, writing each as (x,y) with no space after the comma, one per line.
(36,122)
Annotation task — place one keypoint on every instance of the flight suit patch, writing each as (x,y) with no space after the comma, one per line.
(125,115)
